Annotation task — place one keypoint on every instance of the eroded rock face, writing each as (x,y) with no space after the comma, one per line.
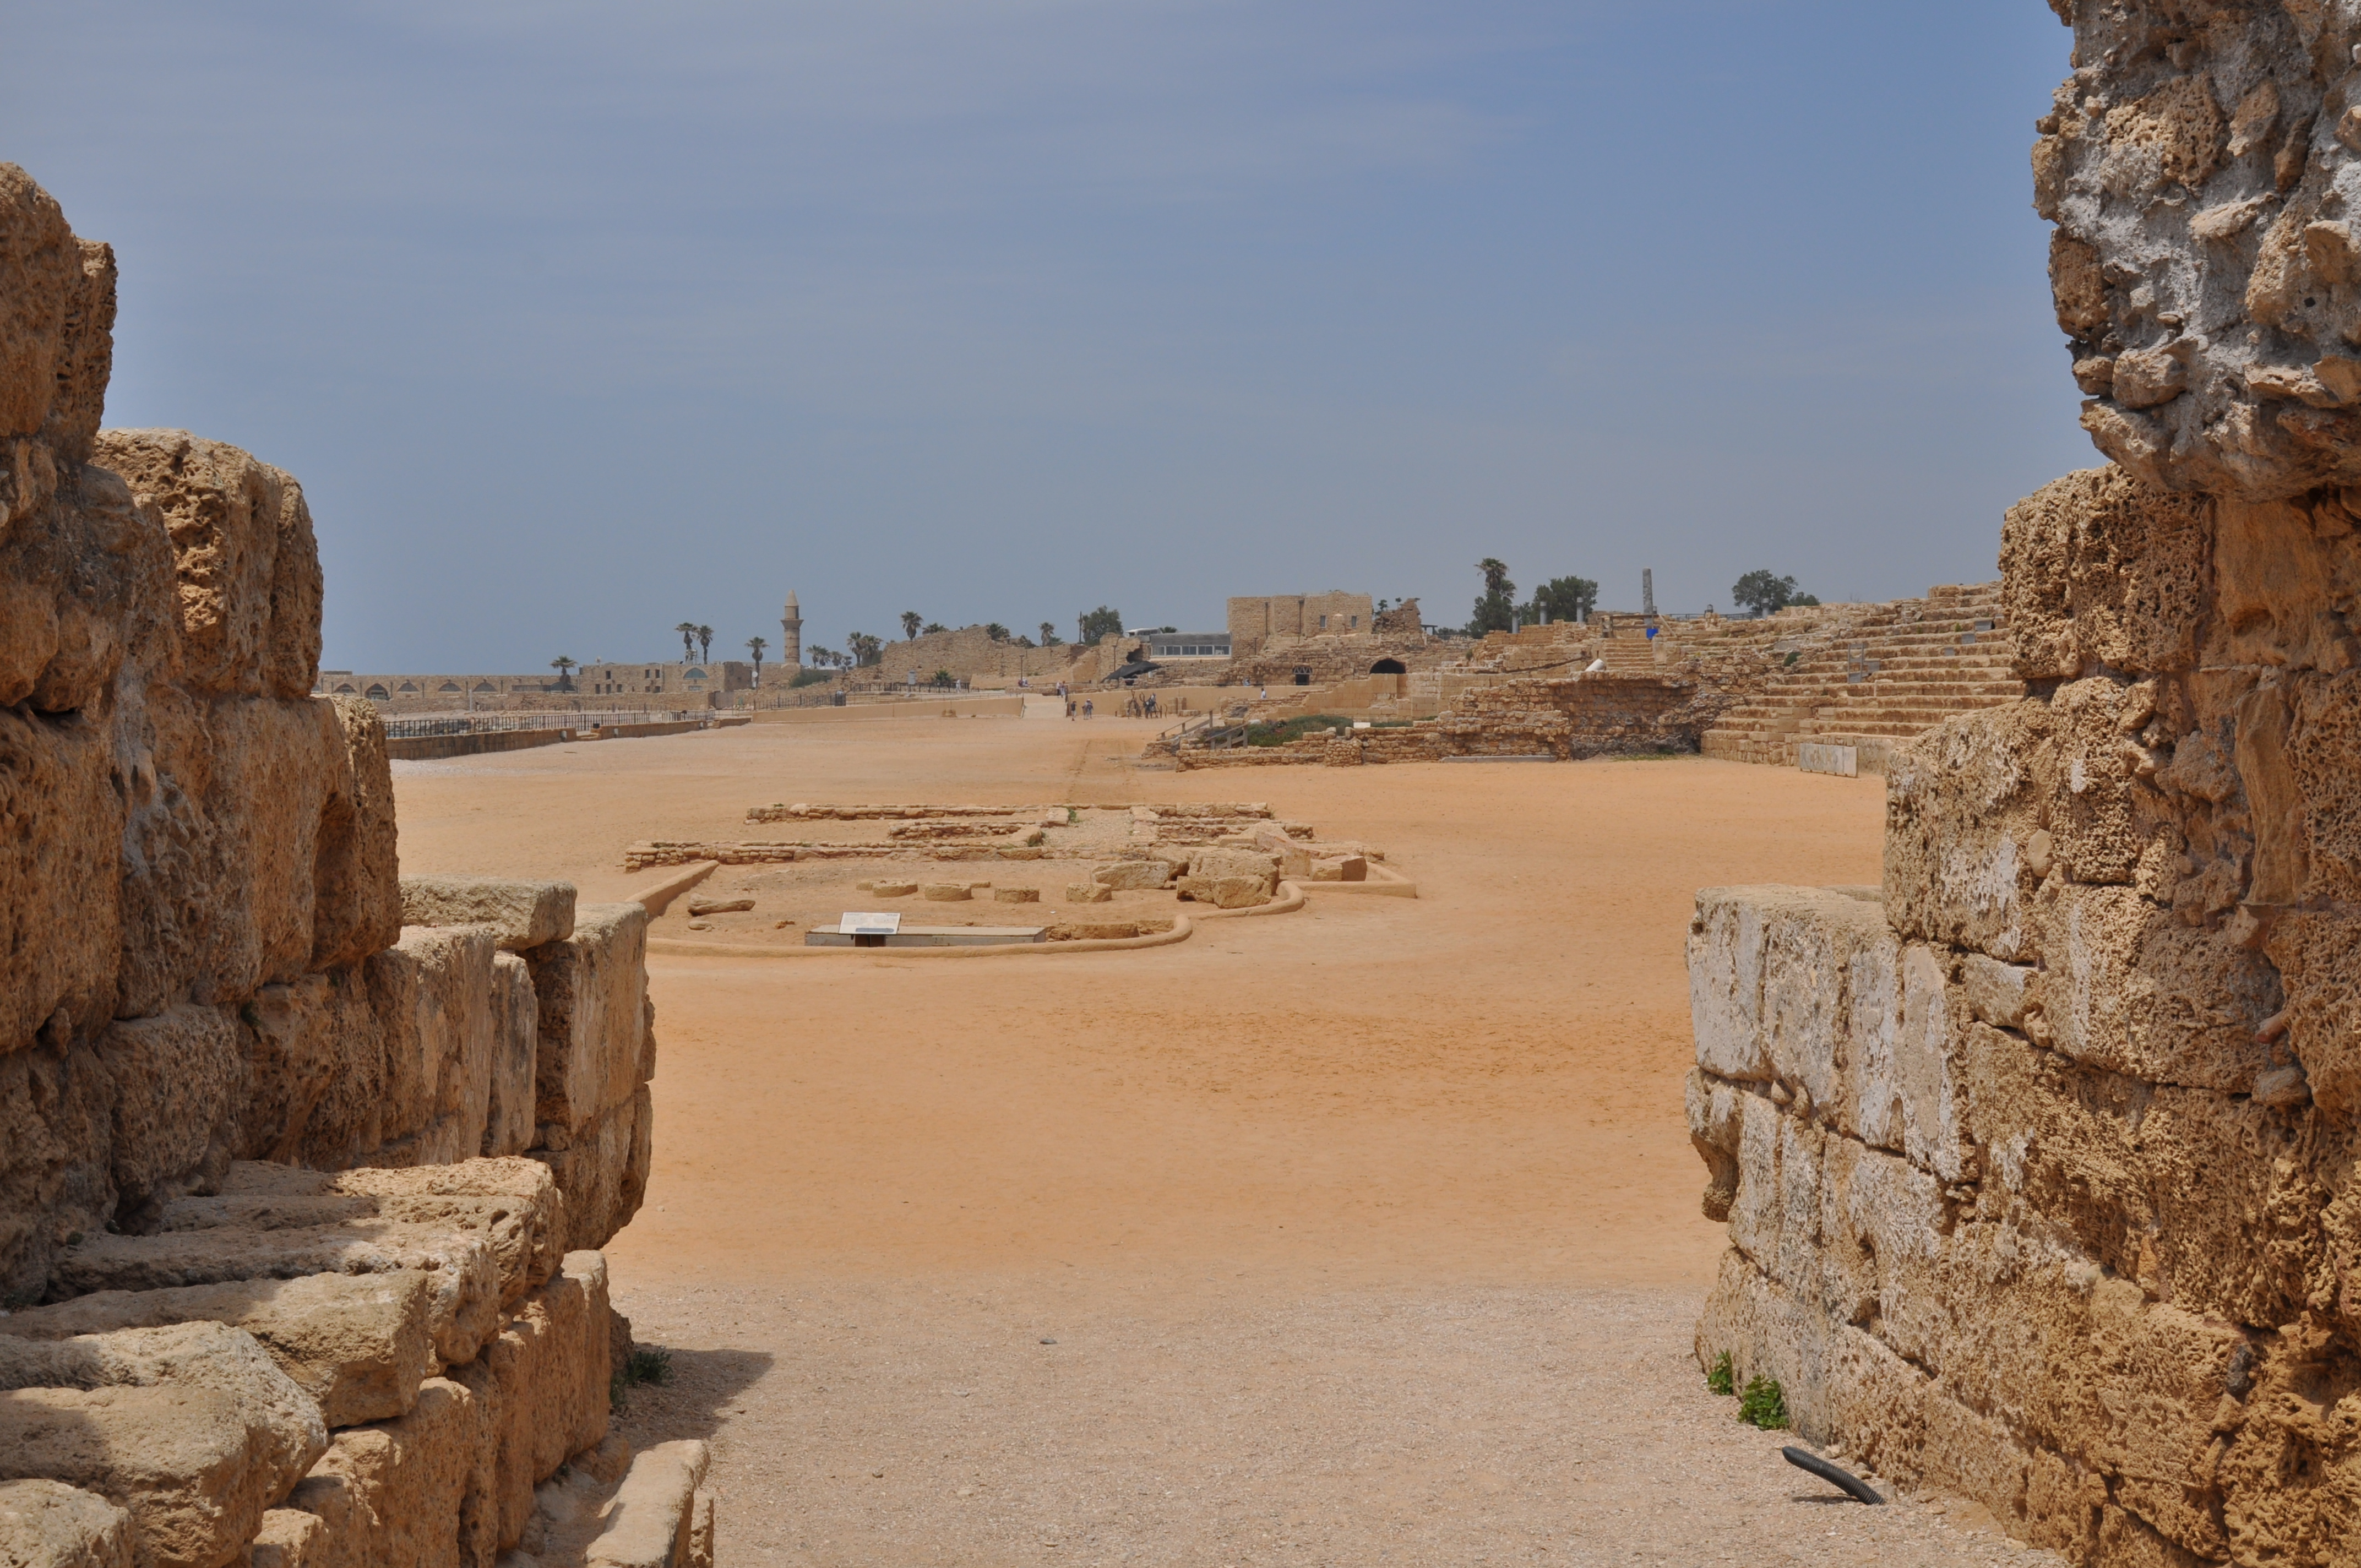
(2201,164)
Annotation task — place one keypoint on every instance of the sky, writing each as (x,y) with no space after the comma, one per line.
(578,321)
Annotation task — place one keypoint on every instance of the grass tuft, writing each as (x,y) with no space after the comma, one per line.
(1764,1404)
(1722,1377)
(647,1363)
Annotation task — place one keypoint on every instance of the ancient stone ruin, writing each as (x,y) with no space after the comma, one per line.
(2039,1162)
(302,1168)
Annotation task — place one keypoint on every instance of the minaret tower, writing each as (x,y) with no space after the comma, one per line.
(791,649)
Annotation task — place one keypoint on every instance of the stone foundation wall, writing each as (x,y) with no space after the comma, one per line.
(302,1165)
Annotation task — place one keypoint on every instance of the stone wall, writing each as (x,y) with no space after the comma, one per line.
(2040,1169)
(281,1288)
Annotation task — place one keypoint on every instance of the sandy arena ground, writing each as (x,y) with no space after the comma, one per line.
(1362,1235)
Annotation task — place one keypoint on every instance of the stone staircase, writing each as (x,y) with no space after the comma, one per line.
(1888,675)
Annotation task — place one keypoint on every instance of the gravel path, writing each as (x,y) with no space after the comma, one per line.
(913,1424)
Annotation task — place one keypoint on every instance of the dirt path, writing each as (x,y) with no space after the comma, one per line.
(1367,1234)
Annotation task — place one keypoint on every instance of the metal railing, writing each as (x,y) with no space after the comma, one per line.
(418,726)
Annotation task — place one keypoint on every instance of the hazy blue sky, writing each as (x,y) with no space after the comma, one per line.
(580,319)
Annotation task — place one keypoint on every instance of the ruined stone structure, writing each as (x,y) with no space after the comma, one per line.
(2040,1164)
(302,1166)
(791,633)
(972,653)
(1275,621)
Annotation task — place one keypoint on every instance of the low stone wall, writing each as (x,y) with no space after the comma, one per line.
(1590,715)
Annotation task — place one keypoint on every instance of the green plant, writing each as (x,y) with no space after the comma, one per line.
(1099,623)
(1763,1404)
(1072,816)
(811,677)
(1721,1378)
(1792,656)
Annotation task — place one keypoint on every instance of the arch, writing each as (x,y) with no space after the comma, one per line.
(448,687)
(376,692)
(694,674)
(1304,674)
(344,686)
(485,687)
(409,685)
(1388,667)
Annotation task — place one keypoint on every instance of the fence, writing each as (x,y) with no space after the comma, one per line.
(416,728)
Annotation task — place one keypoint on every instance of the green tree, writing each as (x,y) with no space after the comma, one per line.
(704,644)
(1767,595)
(1049,637)
(1496,607)
(865,650)
(1099,623)
(1566,599)
(564,668)
(945,678)
(755,645)
(997,631)
(687,629)
(932,627)
(911,620)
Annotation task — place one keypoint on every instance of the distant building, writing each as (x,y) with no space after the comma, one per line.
(676,679)
(1256,623)
(1167,645)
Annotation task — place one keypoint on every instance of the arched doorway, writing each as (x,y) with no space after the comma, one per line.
(1304,674)
(1389,678)
(1388,667)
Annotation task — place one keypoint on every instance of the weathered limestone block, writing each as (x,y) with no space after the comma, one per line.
(2217,142)
(235,861)
(1126,875)
(2204,1198)
(513,1203)
(945,892)
(358,874)
(56,1137)
(2319,958)
(603,1170)
(357,1344)
(653,1516)
(2128,987)
(1995,992)
(46,1524)
(432,992)
(249,569)
(2098,569)
(543,1385)
(190,1429)
(1340,868)
(1088,893)
(316,1052)
(1965,844)
(55,346)
(592,990)
(511,1092)
(289,1539)
(62,826)
(410,1491)
(179,1089)
(525,913)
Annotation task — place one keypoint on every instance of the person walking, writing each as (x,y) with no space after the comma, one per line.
(1087,708)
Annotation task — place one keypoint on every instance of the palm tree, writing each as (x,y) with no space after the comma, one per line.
(1048,634)
(564,668)
(705,641)
(687,629)
(911,623)
(755,645)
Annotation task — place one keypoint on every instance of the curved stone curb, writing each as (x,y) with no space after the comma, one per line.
(657,899)
(1180,933)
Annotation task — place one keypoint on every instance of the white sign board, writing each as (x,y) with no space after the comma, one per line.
(858,925)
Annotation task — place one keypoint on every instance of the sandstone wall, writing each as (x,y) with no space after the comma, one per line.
(219,993)
(2040,1170)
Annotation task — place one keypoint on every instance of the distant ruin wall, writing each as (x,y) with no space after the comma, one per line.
(221,1002)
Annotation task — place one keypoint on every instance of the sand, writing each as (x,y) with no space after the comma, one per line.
(1365,1234)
